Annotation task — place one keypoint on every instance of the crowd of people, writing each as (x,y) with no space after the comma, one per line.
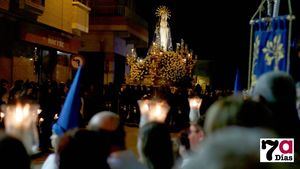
(226,136)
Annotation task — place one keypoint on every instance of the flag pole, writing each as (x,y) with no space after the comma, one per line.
(252,21)
(290,18)
(250,58)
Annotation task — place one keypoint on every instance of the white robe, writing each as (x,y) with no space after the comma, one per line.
(50,162)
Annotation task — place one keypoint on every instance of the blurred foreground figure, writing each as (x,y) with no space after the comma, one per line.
(155,146)
(277,91)
(233,148)
(230,111)
(120,157)
(13,154)
(81,148)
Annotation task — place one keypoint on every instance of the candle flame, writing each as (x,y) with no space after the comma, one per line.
(56,116)
(19,115)
(2,115)
(41,120)
(195,102)
(157,111)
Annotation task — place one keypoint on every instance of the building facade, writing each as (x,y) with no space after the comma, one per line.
(114,29)
(39,38)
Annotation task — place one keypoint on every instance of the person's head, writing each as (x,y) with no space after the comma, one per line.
(277,91)
(196,134)
(184,143)
(54,140)
(232,148)
(13,154)
(104,120)
(81,148)
(110,122)
(236,111)
(155,146)
(275,88)
(3,91)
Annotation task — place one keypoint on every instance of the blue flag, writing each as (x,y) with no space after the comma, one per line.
(237,83)
(269,47)
(69,115)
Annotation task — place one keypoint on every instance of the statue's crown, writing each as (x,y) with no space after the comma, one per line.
(163,10)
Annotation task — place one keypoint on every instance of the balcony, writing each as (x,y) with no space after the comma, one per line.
(32,6)
(80,18)
(118,18)
(106,12)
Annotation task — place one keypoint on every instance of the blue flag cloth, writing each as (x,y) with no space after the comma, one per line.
(237,83)
(269,47)
(69,115)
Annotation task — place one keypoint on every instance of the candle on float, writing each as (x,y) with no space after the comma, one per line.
(195,104)
(153,110)
(158,111)
(20,122)
(144,109)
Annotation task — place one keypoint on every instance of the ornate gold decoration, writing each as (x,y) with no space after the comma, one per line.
(160,67)
(255,57)
(163,10)
(274,51)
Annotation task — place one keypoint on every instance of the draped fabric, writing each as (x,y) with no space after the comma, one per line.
(163,31)
(269,47)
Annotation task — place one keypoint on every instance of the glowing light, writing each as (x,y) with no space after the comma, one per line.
(56,116)
(162,65)
(20,122)
(195,102)
(41,120)
(39,111)
(2,115)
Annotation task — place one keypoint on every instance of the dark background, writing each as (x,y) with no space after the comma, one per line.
(215,30)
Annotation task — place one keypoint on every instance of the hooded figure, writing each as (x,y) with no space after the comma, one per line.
(68,119)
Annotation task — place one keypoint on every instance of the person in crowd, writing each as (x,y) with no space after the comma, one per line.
(183,149)
(51,161)
(277,91)
(233,148)
(49,105)
(2,94)
(5,84)
(234,110)
(181,117)
(69,118)
(298,98)
(196,134)
(120,157)
(15,92)
(155,146)
(13,154)
(81,148)
(189,142)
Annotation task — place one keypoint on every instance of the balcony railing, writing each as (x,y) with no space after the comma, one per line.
(117,10)
(84,2)
(80,17)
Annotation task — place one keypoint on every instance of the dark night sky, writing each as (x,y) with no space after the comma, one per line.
(215,30)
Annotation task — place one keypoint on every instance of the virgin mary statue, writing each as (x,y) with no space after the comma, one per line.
(162,34)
